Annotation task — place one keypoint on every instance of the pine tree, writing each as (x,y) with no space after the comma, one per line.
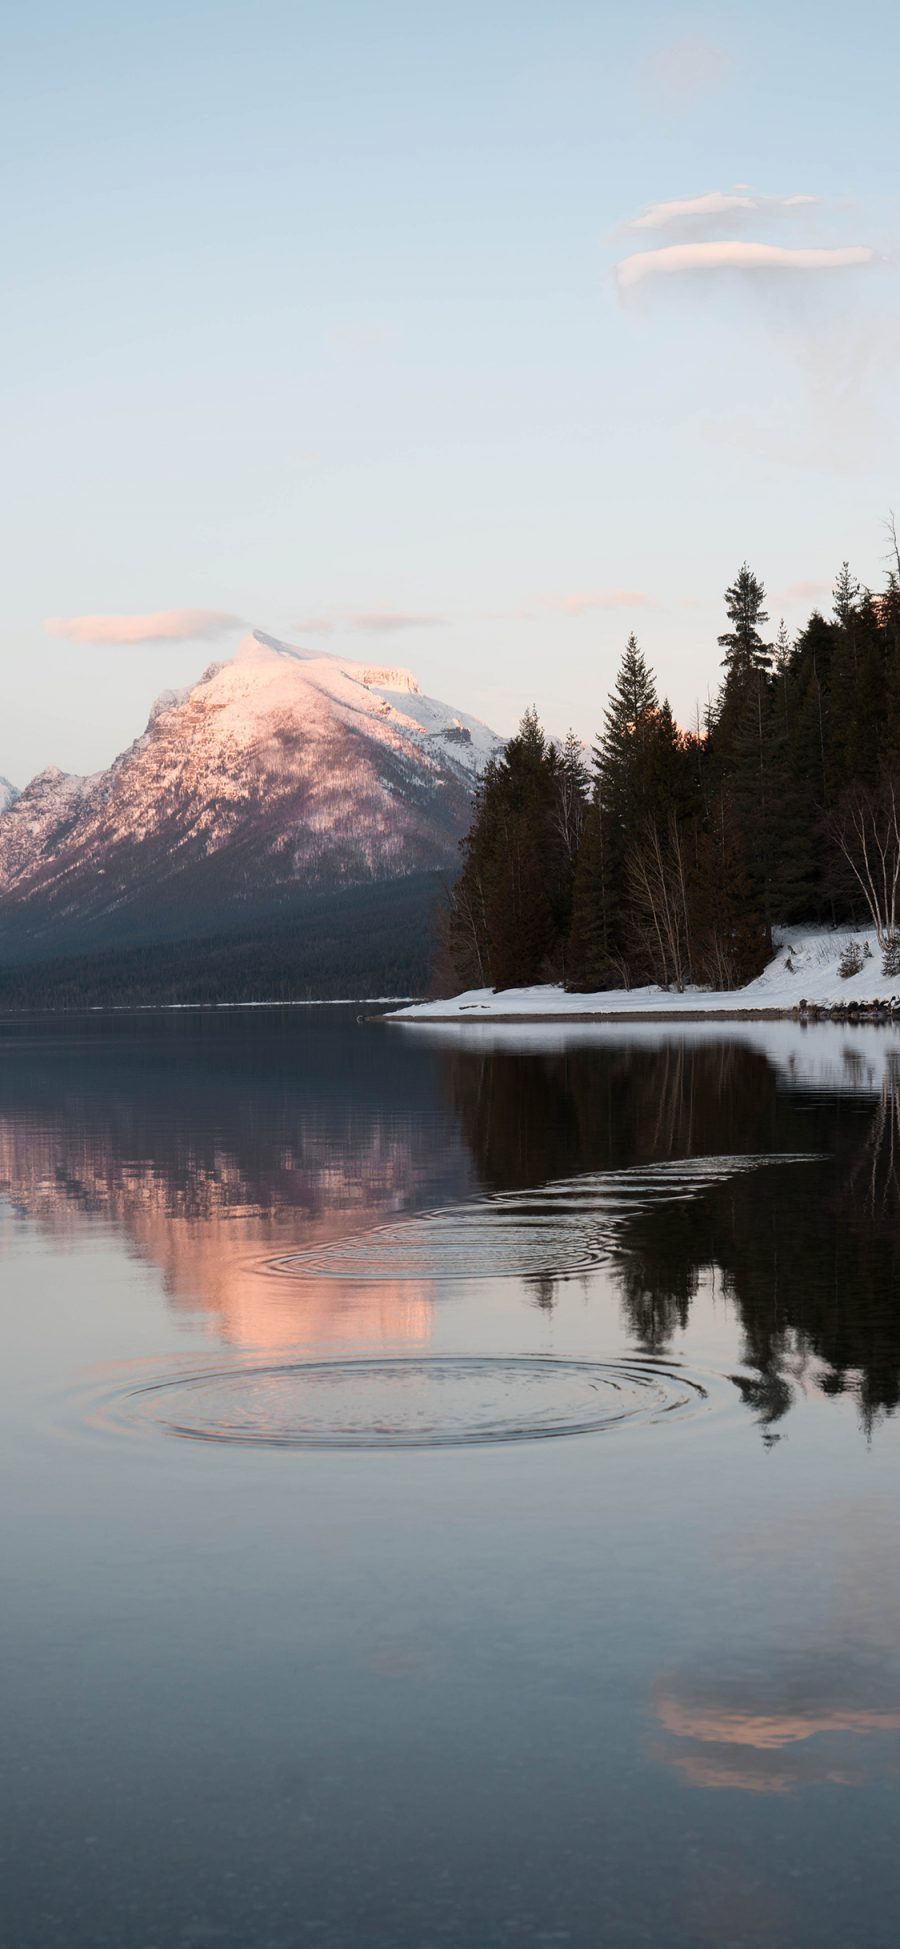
(744,648)
(686,851)
(857,699)
(729,943)
(511,906)
(596,957)
(522,929)
(846,596)
(770,805)
(623,754)
(626,759)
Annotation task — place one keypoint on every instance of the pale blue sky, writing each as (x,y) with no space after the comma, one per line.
(310,314)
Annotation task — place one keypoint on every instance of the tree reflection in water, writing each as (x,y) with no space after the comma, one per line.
(213,1144)
(810,1258)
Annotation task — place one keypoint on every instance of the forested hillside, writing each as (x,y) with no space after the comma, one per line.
(668,855)
(347,942)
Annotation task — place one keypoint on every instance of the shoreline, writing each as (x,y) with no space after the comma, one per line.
(879,1016)
(487,1017)
(808,979)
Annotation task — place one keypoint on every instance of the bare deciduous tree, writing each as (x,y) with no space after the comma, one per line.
(866,831)
(657,881)
(571,797)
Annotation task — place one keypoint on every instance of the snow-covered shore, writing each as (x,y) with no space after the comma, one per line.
(804,968)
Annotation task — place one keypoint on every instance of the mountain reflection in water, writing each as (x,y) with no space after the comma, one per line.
(448,1484)
(223,1160)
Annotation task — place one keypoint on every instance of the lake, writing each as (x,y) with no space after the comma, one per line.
(449,1483)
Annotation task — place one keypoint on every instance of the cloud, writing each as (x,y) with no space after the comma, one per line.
(386,621)
(691,212)
(161,626)
(372,622)
(802,592)
(315,626)
(678,260)
(685,72)
(577,603)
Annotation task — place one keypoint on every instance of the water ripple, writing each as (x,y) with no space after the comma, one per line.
(435,1401)
(560,1229)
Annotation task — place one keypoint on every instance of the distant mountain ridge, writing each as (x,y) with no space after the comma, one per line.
(282,772)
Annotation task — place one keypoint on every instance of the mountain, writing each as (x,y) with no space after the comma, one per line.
(282,776)
(8,794)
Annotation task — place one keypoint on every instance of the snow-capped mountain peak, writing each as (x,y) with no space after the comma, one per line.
(286,767)
(268,677)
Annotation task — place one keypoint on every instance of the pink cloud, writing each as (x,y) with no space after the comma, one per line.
(675,260)
(802,592)
(315,626)
(687,211)
(373,622)
(577,603)
(388,620)
(161,626)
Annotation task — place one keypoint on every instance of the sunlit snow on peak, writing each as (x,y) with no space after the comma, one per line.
(266,673)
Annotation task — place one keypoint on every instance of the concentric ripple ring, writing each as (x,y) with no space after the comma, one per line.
(431,1401)
(562,1229)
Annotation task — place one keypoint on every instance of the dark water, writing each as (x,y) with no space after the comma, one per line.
(449,1484)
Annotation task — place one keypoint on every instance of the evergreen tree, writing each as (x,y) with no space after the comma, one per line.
(770,806)
(625,784)
(745,651)
(625,752)
(729,942)
(679,854)
(857,699)
(596,957)
(511,907)
(846,596)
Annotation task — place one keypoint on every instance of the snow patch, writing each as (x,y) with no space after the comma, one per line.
(804,967)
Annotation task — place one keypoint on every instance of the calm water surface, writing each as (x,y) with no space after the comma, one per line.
(449,1484)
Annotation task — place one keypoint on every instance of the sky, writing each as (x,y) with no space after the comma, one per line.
(468,338)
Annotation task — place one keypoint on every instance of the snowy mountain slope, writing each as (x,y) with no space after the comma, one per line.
(8,794)
(279,770)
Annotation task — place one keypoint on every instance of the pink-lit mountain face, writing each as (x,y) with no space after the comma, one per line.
(282,770)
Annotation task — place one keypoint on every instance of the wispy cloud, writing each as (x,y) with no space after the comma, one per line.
(315,626)
(688,213)
(387,621)
(681,260)
(370,622)
(577,602)
(161,626)
(802,592)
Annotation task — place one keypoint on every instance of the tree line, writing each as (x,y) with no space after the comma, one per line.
(669,856)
